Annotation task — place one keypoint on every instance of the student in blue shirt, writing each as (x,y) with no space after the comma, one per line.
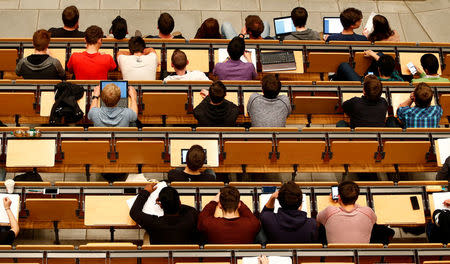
(351,19)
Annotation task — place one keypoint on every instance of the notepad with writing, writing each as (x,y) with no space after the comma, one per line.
(272,260)
(15,203)
(439,198)
(442,146)
(150,207)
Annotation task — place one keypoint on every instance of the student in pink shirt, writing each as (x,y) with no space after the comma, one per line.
(348,222)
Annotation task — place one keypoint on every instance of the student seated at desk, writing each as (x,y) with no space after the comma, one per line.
(350,222)
(119,28)
(91,65)
(234,68)
(195,159)
(139,63)
(40,65)
(430,65)
(381,30)
(299,16)
(215,110)
(178,225)
(423,114)
(166,25)
(383,66)
(179,63)
(254,27)
(70,18)
(269,109)
(351,19)
(368,110)
(110,115)
(238,224)
(290,224)
(438,230)
(209,29)
(7,237)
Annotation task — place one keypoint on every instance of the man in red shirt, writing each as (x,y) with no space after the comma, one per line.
(238,224)
(90,64)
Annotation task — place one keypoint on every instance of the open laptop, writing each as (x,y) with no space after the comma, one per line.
(283,26)
(283,60)
(123,85)
(332,25)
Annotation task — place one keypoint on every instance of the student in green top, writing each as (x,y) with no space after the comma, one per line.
(430,64)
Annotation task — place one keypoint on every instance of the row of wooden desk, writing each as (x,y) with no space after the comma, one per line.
(100,205)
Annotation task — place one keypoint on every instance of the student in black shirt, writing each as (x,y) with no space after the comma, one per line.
(178,225)
(195,159)
(215,110)
(166,24)
(7,237)
(368,110)
(70,18)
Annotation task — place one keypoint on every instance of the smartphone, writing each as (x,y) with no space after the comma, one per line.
(269,189)
(414,203)
(184,156)
(51,191)
(334,193)
(369,73)
(411,68)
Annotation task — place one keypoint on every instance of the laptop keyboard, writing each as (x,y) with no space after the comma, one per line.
(277,57)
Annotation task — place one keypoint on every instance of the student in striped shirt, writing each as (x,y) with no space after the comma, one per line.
(422,114)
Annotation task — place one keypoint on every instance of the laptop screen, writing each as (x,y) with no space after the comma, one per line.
(332,25)
(283,25)
(123,85)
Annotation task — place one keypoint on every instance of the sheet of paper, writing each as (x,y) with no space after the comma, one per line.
(369,24)
(439,198)
(150,207)
(264,198)
(223,55)
(443,150)
(15,203)
(272,260)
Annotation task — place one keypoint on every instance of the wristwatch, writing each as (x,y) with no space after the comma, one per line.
(94,97)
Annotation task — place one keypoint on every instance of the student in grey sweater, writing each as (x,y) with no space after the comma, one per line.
(299,16)
(270,109)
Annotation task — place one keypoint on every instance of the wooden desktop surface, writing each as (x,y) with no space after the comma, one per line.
(103,210)
(397,210)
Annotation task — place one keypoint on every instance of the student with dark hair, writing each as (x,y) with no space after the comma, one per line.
(90,64)
(381,30)
(238,224)
(444,173)
(7,237)
(40,65)
(289,224)
(430,65)
(70,18)
(166,24)
(119,28)
(351,19)
(179,63)
(422,114)
(269,109)
(383,66)
(234,68)
(438,230)
(178,225)
(348,222)
(195,159)
(215,110)
(299,17)
(209,29)
(368,110)
(140,63)
(254,27)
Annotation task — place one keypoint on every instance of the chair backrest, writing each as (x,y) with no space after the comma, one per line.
(355,245)
(169,247)
(20,103)
(167,129)
(405,152)
(293,246)
(362,62)
(198,59)
(232,246)
(273,129)
(247,152)
(353,152)
(315,105)
(140,152)
(81,184)
(108,246)
(86,152)
(8,59)
(220,129)
(414,57)
(44,209)
(158,104)
(59,129)
(326,61)
(415,245)
(444,100)
(300,152)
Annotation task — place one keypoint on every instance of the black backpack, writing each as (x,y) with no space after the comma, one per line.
(65,109)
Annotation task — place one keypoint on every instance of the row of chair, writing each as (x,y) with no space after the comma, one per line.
(30,101)
(128,253)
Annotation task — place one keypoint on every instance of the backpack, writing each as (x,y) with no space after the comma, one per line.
(66,107)
(29,176)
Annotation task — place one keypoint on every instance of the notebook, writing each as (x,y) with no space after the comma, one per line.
(283,26)
(439,198)
(442,150)
(332,25)
(15,203)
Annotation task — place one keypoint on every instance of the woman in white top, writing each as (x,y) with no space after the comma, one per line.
(139,63)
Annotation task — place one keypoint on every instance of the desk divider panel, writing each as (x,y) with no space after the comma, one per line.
(405,152)
(247,152)
(79,152)
(354,152)
(301,152)
(326,61)
(140,152)
(158,104)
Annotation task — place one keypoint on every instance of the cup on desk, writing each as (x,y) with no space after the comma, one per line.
(10,185)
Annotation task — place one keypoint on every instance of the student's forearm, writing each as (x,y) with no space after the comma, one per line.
(13,221)
(408,102)
(134,105)
(271,203)
(94,103)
